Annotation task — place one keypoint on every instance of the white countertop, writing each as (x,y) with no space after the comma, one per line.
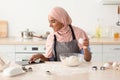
(60,72)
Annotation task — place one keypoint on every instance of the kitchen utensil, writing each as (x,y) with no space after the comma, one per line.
(118,23)
(3,29)
(27,34)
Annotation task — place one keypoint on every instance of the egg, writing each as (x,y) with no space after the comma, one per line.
(81,40)
(114,65)
(107,65)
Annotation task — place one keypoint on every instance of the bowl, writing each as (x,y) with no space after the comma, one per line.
(74,59)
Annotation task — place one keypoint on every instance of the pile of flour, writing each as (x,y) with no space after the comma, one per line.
(71,61)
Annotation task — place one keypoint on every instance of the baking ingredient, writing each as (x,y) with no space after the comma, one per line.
(71,61)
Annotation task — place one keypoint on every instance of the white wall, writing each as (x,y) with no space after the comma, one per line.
(32,14)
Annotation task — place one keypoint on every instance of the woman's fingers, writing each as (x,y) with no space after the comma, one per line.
(86,43)
(34,57)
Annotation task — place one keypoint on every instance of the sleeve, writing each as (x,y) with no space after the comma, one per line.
(49,44)
(79,33)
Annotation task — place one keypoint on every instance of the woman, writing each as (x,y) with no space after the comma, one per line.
(64,39)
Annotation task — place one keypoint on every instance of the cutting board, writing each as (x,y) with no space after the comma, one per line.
(3,29)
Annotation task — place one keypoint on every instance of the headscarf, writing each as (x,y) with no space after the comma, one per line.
(61,15)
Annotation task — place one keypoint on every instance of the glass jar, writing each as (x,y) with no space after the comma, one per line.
(116,32)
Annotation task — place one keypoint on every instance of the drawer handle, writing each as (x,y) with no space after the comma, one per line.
(116,48)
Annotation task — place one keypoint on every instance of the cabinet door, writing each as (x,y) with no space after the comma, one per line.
(7,52)
(111,53)
(96,53)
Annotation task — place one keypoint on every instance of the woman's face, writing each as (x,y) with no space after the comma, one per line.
(54,24)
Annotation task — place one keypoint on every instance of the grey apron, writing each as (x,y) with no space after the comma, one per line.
(65,47)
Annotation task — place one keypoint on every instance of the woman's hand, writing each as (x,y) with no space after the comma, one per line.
(38,56)
(85,43)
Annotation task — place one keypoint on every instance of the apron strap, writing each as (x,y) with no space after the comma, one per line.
(73,35)
(55,55)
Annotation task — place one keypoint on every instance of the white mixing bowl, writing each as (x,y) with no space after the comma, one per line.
(74,59)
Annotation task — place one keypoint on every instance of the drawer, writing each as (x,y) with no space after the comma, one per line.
(96,48)
(111,57)
(22,57)
(30,48)
(10,56)
(111,48)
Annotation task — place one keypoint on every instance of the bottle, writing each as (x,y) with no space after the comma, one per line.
(98,32)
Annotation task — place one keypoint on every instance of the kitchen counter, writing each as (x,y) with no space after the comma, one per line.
(108,41)
(60,72)
(37,41)
(17,41)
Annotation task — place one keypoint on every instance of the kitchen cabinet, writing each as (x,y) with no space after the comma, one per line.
(96,53)
(7,52)
(105,53)
(24,52)
(111,53)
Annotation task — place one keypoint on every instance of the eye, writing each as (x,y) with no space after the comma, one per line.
(52,21)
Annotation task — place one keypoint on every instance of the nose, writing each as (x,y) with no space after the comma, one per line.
(50,25)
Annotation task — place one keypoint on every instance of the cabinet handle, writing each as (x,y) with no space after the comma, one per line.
(25,48)
(116,48)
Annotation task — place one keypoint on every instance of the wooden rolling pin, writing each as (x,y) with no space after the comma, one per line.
(3,29)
